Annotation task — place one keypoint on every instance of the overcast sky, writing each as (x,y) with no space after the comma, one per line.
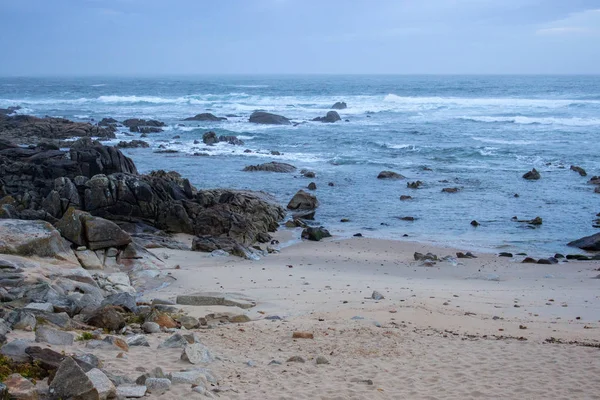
(66,37)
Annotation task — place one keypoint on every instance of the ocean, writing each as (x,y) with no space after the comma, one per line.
(477,133)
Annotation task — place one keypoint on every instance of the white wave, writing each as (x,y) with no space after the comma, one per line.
(502,141)
(245,137)
(99,85)
(499,101)
(81,116)
(487,151)
(541,120)
(249,86)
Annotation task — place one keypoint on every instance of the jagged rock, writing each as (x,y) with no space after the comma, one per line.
(206,117)
(105,388)
(312,186)
(590,243)
(178,341)
(16,350)
(20,388)
(137,340)
(389,175)
(136,122)
(133,144)
(208,244)
(22,320)
(70,382)
(303,201)
(315,233)
(271,167)
(53,336)
(107,318)
(196,353)
(579,170)
(96,233)
(32,238)
(107,121)
(46,358)
(532,175)
(89,259)
(260,117)
(340,105)
(377,296)
(210,138)
(126,301)
(332,116)
(48,307)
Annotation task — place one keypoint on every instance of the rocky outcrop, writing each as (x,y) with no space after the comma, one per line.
(332,116)
(590,243)
(303,201)
(315,233)
(210,138)
(209,244)
(340,105)
(26,129)
(132,144)
(389,175)
(206,117)
(532,175)
(261,117)
(271,167)
(32,238)
(136,123)
(579,170)
(93,232)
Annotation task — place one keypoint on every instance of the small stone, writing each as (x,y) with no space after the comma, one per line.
(151,327)
(475,223)
(302,335)
(295,359)
(188,322)
(134,391)
(158,385)
(196,353)
(505,254)
(48,307)
(239,318)
(20,388)
(275,362)
(377,296)
(137,340)
(53,336)
(193,377)
(322,360)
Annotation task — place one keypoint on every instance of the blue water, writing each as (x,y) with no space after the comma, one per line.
(479,133)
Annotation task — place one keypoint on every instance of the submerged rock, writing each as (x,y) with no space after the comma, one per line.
(389,175)
(206,117)
(303,201)
(271,167)
(332,116)
(579,170)
(340,105)
(532,175)
(315,233)
(261,117)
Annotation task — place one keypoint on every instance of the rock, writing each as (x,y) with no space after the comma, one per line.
(105,388)
(106,317)
(377,296)
(137,340)
(177,341)
(151,327)
(389,175)
(20,388)
(312,186)
(53,336)
(589,243)
(322,360)
(303,201)
(302,335)
(206,117)
(504,254)
(315,233)
(529,260)
(210,138)
(188,322)
(297,359)
(70,382)
(261,117)
(96,233)
(475,223)
(107,121)
(162,319)
(465,255)
(116,342)
(414,185)
(22,320)
(532,175)
(535,221)
(579,170)
(89,259)
(132,144)
(131,391)
(47,359)
(309,215)
(340,105)
(271,167)
(405,197)
(213,299)
(136,123)
(193,377)
(231,140)
(240,318)
(332,116)
(126,301)
(158,385)
(48,307)
(450,190)
(196,353)
(16,350)
(425,257)
(32,238)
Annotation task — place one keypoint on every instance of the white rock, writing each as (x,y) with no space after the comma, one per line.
(53,336)
(135,391)
(102,384)
(196,353)
(40,307)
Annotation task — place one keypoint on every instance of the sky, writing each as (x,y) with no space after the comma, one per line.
(156,37)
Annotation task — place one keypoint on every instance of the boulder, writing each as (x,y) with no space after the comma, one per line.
(46,358)
(206,117)
(340,105)
(20,388)
(532,175)
(136,122)
(389,175)
(106,317)
(32,238)
(70,382)
(177,341)
(132,144)
(131,391)
(332,116)
(48,335)
(303,201)
(579,170)
(157,385)
(450,190)
(196,353)
(208,244)
(213,299)
(210,138)
(107,121)
(105,388)
(137,340)
(16,350)
(151,327)
(261,117)
(231,140)
(312,186)
(127,301)
(96,233)
(590,243)
(315,233)
(271,167)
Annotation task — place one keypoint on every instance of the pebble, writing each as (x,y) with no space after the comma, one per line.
(295,359)
(322,360)
(377,296)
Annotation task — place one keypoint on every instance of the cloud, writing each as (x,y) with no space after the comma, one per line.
(579,23)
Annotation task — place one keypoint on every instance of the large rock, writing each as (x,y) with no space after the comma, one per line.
(70,382)
(133,144)
(20,388)
(32,238)
(214,299)
(96,233)
(590,243)
(53,336)
(261,117)
(126,301)
(315,233)
(271,167)
(389,175)
(105,388)
(210,138)
(303,201)
(332,116)
(208,244)
(106,318)
(340,105)
(205,117)
(197,353)
(532,175)
(136,123)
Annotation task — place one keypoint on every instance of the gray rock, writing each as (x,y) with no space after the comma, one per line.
(261,117)
(4,327)
(322,360)
(48,307)
(15,350)
(105,388)
(88,259)
(389,175)
(532,175)
(315,233)
(125,300)
(189,322)
(271,167)
(193,377)
(22,320)
(158,385)
(177,341)
(377,296)
(70,382)
(151,327)
(590,243)
(137,340)
(332,116)
(197,353)
(213,299)
(303,201)
(340,105)
(133,391)
(48,335)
